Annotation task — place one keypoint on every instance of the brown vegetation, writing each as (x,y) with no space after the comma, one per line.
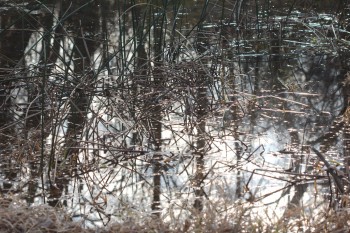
(16,217)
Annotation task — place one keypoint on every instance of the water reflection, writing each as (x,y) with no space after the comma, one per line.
(151,107)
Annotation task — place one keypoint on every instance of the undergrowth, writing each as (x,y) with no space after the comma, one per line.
(17,217)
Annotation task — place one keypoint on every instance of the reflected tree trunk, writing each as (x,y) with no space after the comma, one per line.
(17,28)
(346,127)
(201,148)
(159,19)
(85,21)
(229,78)
(201,111)
(297,158)
(86,24)
(33,182)
(140,79)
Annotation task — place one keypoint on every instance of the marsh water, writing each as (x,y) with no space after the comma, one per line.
(116,109)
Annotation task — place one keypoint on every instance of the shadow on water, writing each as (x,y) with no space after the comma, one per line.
(158,107)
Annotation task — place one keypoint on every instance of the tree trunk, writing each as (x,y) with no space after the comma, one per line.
(159,19)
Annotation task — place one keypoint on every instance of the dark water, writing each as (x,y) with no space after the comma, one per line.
(113,110)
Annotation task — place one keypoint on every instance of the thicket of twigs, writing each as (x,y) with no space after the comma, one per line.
(15,217)
(86,105)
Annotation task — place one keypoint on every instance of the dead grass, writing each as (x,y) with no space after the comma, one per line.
(16,217)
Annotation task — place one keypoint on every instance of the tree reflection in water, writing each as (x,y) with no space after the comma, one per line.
(164,106)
